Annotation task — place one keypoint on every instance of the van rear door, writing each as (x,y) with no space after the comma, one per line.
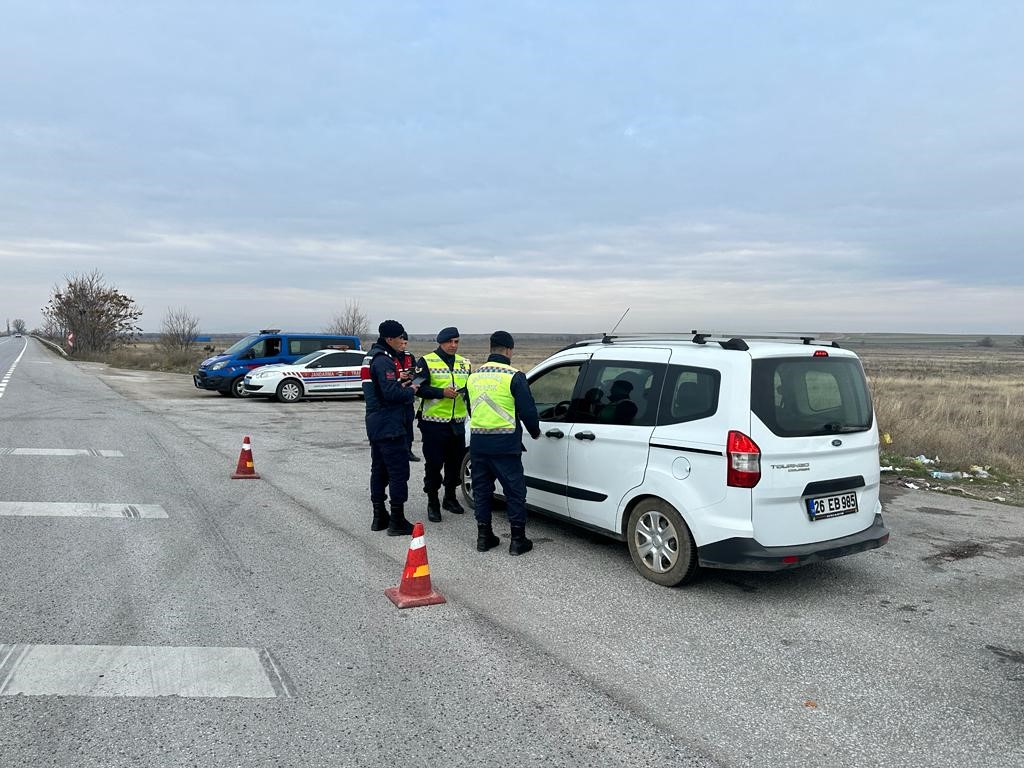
(813,421)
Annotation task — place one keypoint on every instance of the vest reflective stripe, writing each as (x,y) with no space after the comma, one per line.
(490,397)
(441,376)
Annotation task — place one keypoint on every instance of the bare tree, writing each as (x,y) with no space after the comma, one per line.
(100,316)
(351,322)
(18,325)
(178,331)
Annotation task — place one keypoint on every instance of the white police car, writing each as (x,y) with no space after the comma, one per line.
(324,373)
(708,450)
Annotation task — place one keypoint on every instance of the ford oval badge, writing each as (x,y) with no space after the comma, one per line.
(837,442)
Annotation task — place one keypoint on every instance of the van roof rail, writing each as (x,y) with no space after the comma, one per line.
(737,341)
(270,330)
(701,337)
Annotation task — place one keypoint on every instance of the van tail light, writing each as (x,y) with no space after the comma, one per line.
(744,461)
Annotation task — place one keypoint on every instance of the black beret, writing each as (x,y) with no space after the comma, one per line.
(391,329)
(502,339)
(447,334)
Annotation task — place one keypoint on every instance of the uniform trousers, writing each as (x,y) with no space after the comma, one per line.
(444,445)
(389,470)
(507,469)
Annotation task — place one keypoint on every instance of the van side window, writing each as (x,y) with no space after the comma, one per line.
(690,394)
(620,393)
(552,391)
(301,346)
(269,347)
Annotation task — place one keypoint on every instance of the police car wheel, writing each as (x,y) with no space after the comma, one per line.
(466,474)
(238,387)
(289,391)
(660,543)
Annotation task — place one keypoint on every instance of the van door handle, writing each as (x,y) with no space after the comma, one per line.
(585,436)
(555,433)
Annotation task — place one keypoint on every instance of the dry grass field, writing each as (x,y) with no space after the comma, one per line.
(962,404)
(938,396)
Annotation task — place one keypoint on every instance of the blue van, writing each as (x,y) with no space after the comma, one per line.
(225,372)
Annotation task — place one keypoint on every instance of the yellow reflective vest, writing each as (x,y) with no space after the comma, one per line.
(444,409)
(492,407)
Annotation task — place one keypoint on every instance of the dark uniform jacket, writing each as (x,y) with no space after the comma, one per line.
(387,401)
(526,416)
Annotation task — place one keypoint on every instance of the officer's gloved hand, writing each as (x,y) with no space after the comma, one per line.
(535,435)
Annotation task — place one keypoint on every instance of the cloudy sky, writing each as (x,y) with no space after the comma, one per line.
(537,166)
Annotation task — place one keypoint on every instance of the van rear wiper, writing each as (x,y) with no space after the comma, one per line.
(835,426)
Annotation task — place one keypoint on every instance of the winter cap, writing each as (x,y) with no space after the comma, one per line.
(447,334)
(391,329)
(405,336)
(502,339)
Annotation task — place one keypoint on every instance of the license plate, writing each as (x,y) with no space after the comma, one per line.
(832,506)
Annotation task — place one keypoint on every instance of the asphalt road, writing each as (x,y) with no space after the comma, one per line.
(908,655)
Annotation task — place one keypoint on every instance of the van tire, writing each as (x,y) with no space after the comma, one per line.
(466,486)
(660,543)
(289,391)
(238,387)
(224,392)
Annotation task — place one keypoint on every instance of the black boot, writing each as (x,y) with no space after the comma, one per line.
(485,538)
(399,526)
(380,517)
(433,507)
(520,544)
(451,502)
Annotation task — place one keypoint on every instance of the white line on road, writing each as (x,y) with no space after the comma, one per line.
(71,509)
(10,371)
(140,670)
(61,452)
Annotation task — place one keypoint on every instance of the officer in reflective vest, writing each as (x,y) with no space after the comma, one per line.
(442,416)
(500,406)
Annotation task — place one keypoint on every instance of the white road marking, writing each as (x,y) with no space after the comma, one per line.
(72,509)
(10,371)
(61,452)
(140,670)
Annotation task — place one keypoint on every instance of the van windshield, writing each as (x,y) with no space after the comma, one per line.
(805,396)
(238,346)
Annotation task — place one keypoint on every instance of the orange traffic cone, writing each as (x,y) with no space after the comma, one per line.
(245,469)
(415,588)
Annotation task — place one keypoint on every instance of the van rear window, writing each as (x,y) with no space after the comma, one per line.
(800,397)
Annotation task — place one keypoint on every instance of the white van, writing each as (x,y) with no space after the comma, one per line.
(708,450)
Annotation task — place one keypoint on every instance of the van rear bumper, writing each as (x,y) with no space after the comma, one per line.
(747,555)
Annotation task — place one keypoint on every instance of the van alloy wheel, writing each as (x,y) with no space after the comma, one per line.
(660,543)
(238,387)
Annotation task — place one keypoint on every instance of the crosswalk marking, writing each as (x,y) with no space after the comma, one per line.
(141,670)
(80,509)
